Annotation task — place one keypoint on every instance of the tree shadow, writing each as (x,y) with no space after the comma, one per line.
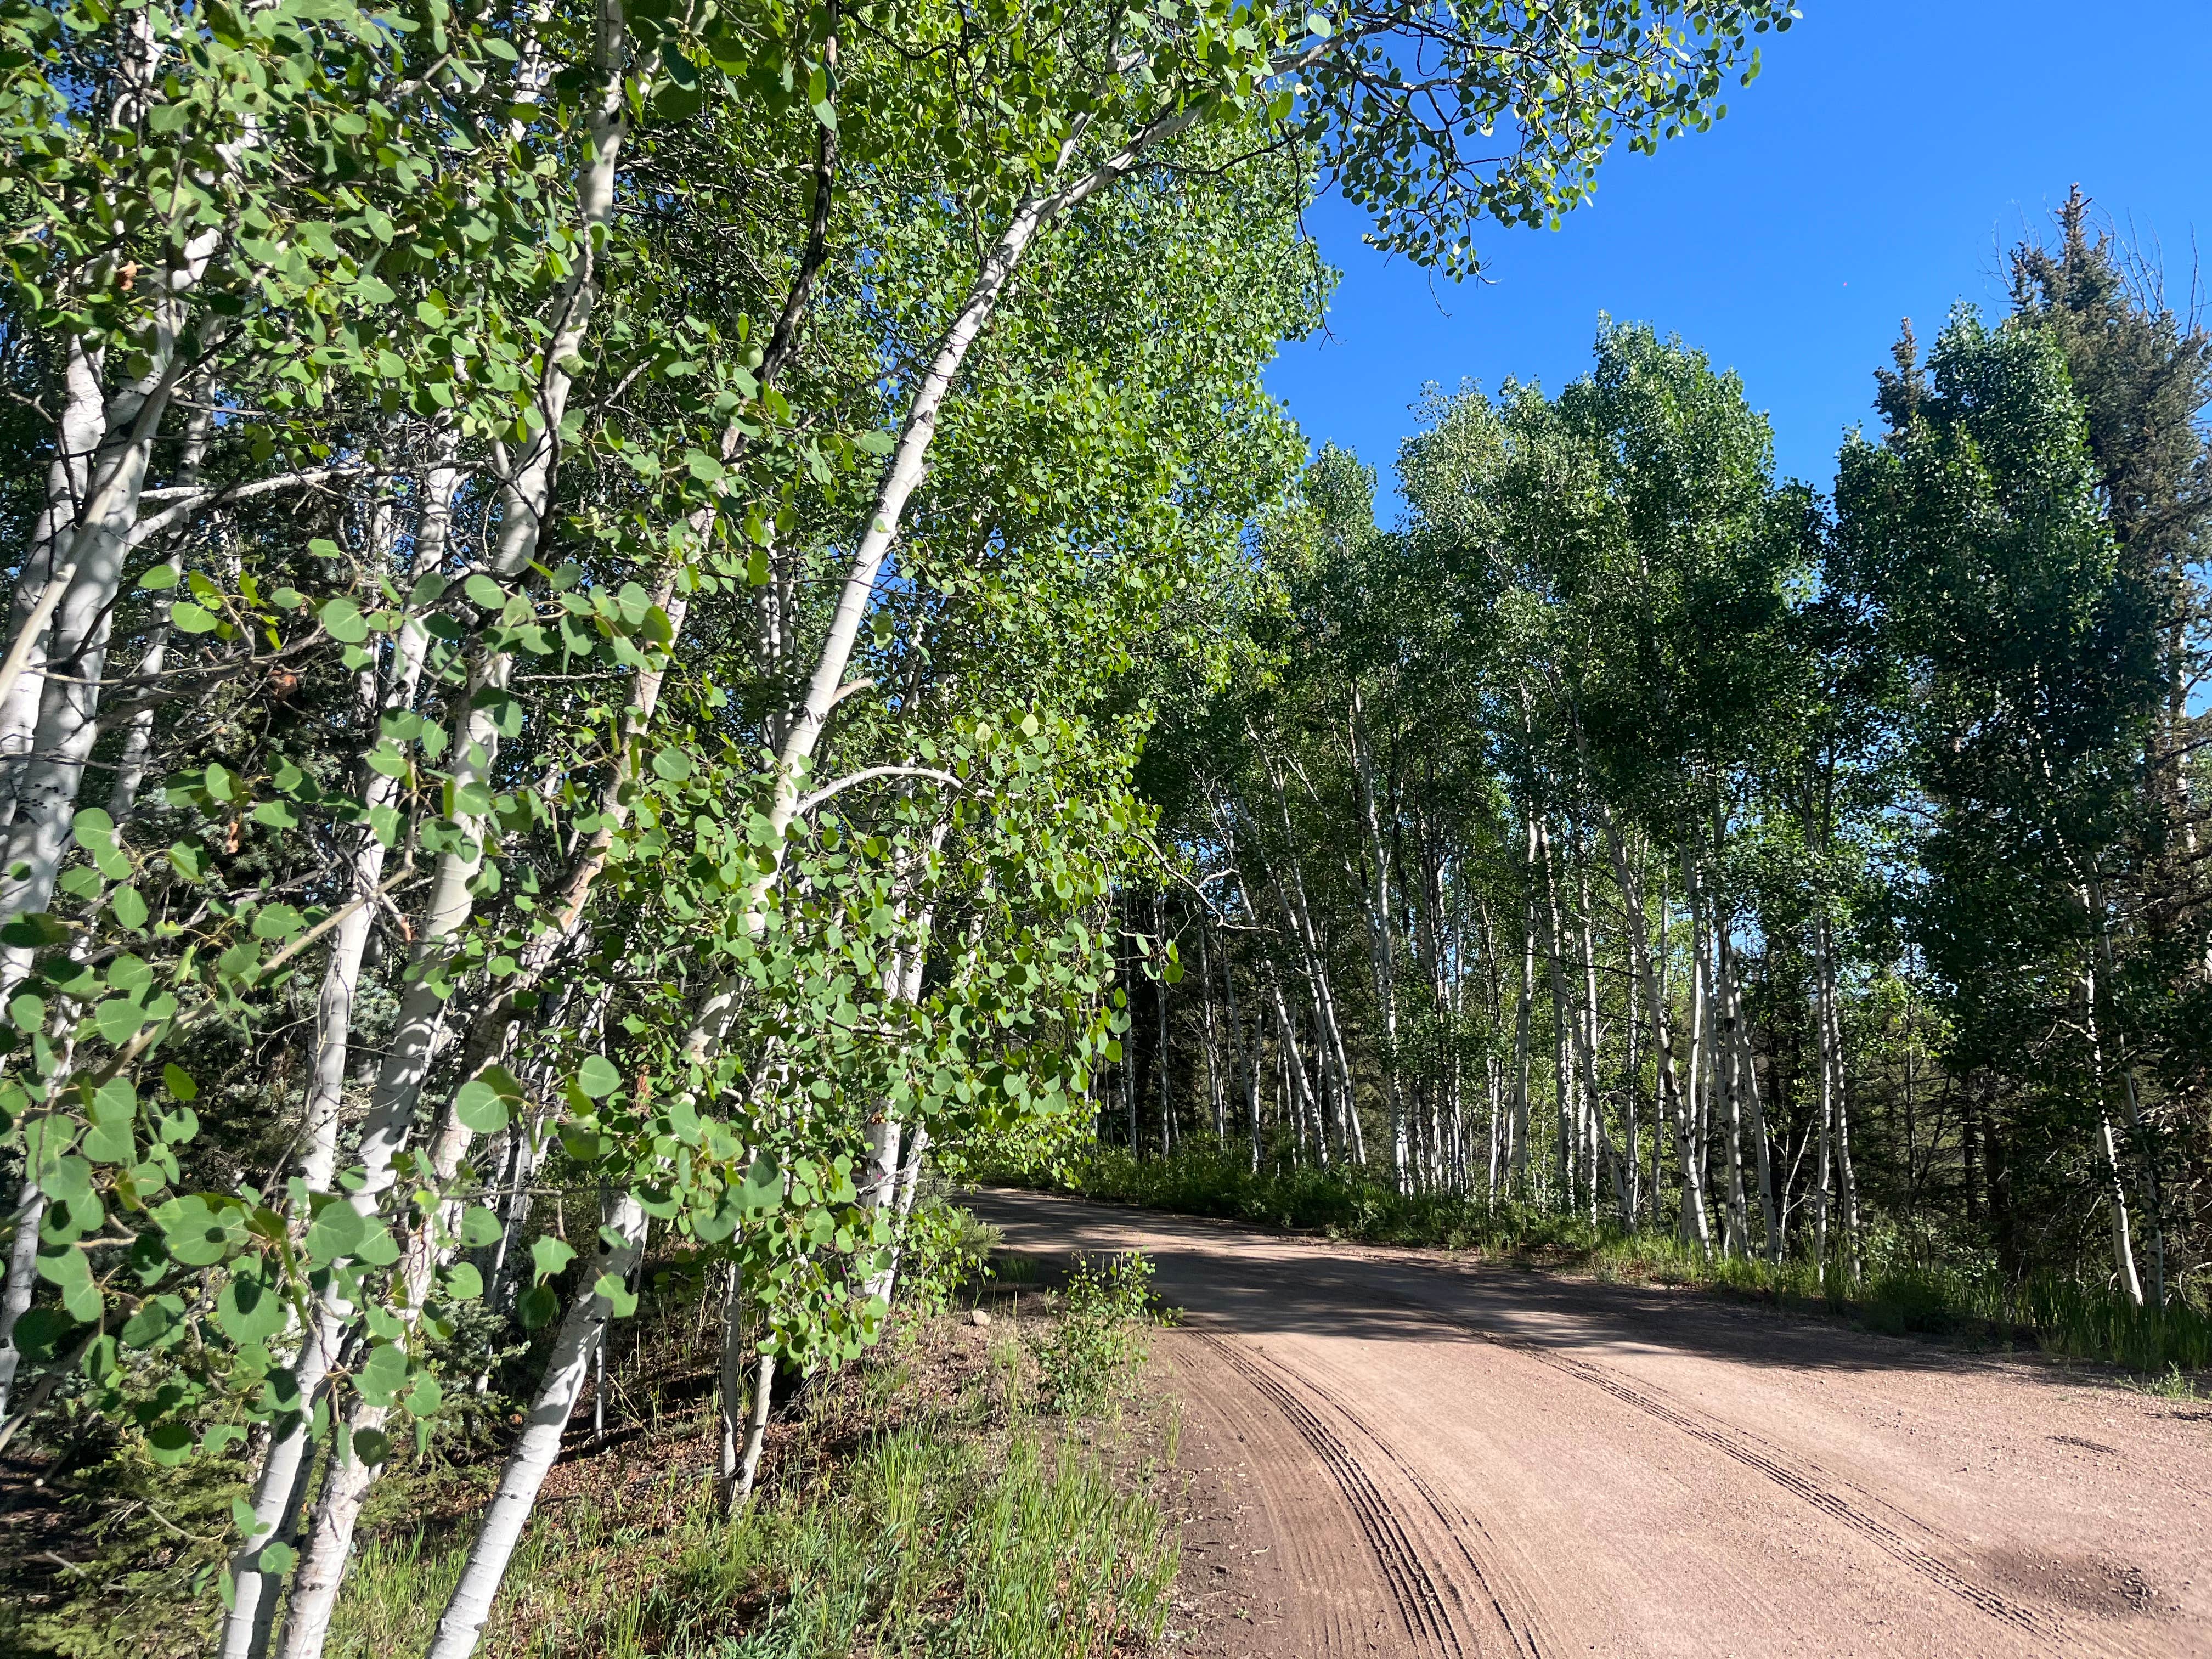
(1223,1275)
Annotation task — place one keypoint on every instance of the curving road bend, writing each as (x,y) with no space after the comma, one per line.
(1433,1458)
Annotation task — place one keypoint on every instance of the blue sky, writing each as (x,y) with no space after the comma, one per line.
(1889,155)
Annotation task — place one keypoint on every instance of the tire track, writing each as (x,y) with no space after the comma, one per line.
(1813,1486)
(1428,1598)
(1499,1587)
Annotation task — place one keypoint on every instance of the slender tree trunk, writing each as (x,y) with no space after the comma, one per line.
(1297,1061)
(1382,946)
(22,1279)
(78,603)
(1695,1228)
(732,1388)
(527,1465)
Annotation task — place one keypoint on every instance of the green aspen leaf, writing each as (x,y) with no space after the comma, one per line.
(68,1270)
(161,576)
(200,1231)
(549,1254)
(480,1227)
(381,1376)
(479,1107)
(378,1248)
(537,1307)
(341,620)
(618,1295)
(483,591)
(156,1318)
(672,765)
(186,617)
(373,1446)
(336,1230)
(35,931)
(250,1310)
(180,1086)
(128,907)
(119,1018)
(277,1556)
(43,1334)
(683,1120)
(596,1077)
(463,1282)
(764,1186)
(170,1444)
(423,1400)
(276,921)
(114,1112)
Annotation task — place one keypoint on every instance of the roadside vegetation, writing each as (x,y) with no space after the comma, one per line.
(1906,1288)
(995,1491)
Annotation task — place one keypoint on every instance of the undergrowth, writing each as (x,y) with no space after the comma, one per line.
(1901,1292)
(960,1494)
(909,1514)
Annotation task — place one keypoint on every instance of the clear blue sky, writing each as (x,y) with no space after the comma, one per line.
(1889,155)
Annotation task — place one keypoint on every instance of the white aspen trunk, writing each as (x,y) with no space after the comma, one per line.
(22,1281)
(906,991)
(79,601)
(910,1180)
(2124,1252)
(1713,1042)
(1695,1227)
(1160,1011)
(1214,1083)
(1747,1061)
(1523,1013)
(756,1433)
(1246,1057)
(1381,946)
(1295,1061)
(731,1386)
(342,974)
(1635,1088)
(138,735)
(527,1465)
(1831,1090)
(1565,1027)
(322,1568)
(279,1483)
(525,506)
(2092,900)
(77,435)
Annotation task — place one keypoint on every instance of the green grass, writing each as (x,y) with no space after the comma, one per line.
(972,1527)
(1904,1292)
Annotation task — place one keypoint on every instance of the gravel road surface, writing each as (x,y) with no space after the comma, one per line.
(1396,1453)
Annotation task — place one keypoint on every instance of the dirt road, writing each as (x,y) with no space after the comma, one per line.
(1416,1456)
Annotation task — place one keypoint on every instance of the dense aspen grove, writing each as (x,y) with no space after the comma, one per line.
(1817,877)
(588,584)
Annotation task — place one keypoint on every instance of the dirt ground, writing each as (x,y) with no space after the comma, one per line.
(1394,1453)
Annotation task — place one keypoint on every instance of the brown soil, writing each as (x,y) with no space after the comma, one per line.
(1394,1453)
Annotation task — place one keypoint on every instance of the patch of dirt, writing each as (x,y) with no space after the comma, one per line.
(2092,1584)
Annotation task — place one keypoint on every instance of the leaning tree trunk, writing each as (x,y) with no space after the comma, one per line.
(580,1333)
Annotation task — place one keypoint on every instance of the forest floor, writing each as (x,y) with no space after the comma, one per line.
(1402,1452)
(931,1499)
